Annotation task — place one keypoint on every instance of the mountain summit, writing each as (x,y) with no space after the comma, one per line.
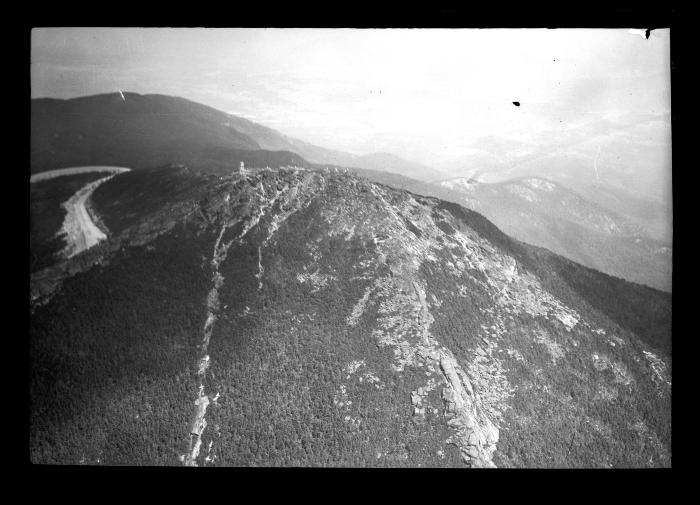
(304,318)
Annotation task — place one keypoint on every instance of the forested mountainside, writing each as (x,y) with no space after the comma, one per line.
(293,317)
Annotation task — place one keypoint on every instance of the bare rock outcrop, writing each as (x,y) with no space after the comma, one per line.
(475,434)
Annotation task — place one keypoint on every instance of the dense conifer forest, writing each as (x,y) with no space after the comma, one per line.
(291,381)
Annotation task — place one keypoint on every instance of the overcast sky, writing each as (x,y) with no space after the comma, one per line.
(426,94)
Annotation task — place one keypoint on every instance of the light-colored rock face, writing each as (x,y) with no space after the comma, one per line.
(474,393)
(523,192)
(660,375)
(464,183)
(553,348)
(540,184)
(404,320)
(315,279)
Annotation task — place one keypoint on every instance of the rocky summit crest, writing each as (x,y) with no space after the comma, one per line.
(294,317)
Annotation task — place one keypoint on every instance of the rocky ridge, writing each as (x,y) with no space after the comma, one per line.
(419,265)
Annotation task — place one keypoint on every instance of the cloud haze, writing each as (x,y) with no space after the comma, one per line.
(427,94)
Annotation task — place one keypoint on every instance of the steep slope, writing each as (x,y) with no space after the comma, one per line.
(312,318)
(542,212)
(546,214)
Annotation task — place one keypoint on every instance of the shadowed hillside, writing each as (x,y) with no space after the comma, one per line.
(143,131)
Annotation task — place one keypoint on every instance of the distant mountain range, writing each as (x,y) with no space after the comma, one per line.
(542,212)
(142,131)
(622,163)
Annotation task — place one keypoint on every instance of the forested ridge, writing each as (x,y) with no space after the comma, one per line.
(336,295)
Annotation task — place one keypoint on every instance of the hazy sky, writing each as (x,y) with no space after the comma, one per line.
(427,94)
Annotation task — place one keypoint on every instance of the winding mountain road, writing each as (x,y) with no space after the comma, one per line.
(80,231)
(50,174)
